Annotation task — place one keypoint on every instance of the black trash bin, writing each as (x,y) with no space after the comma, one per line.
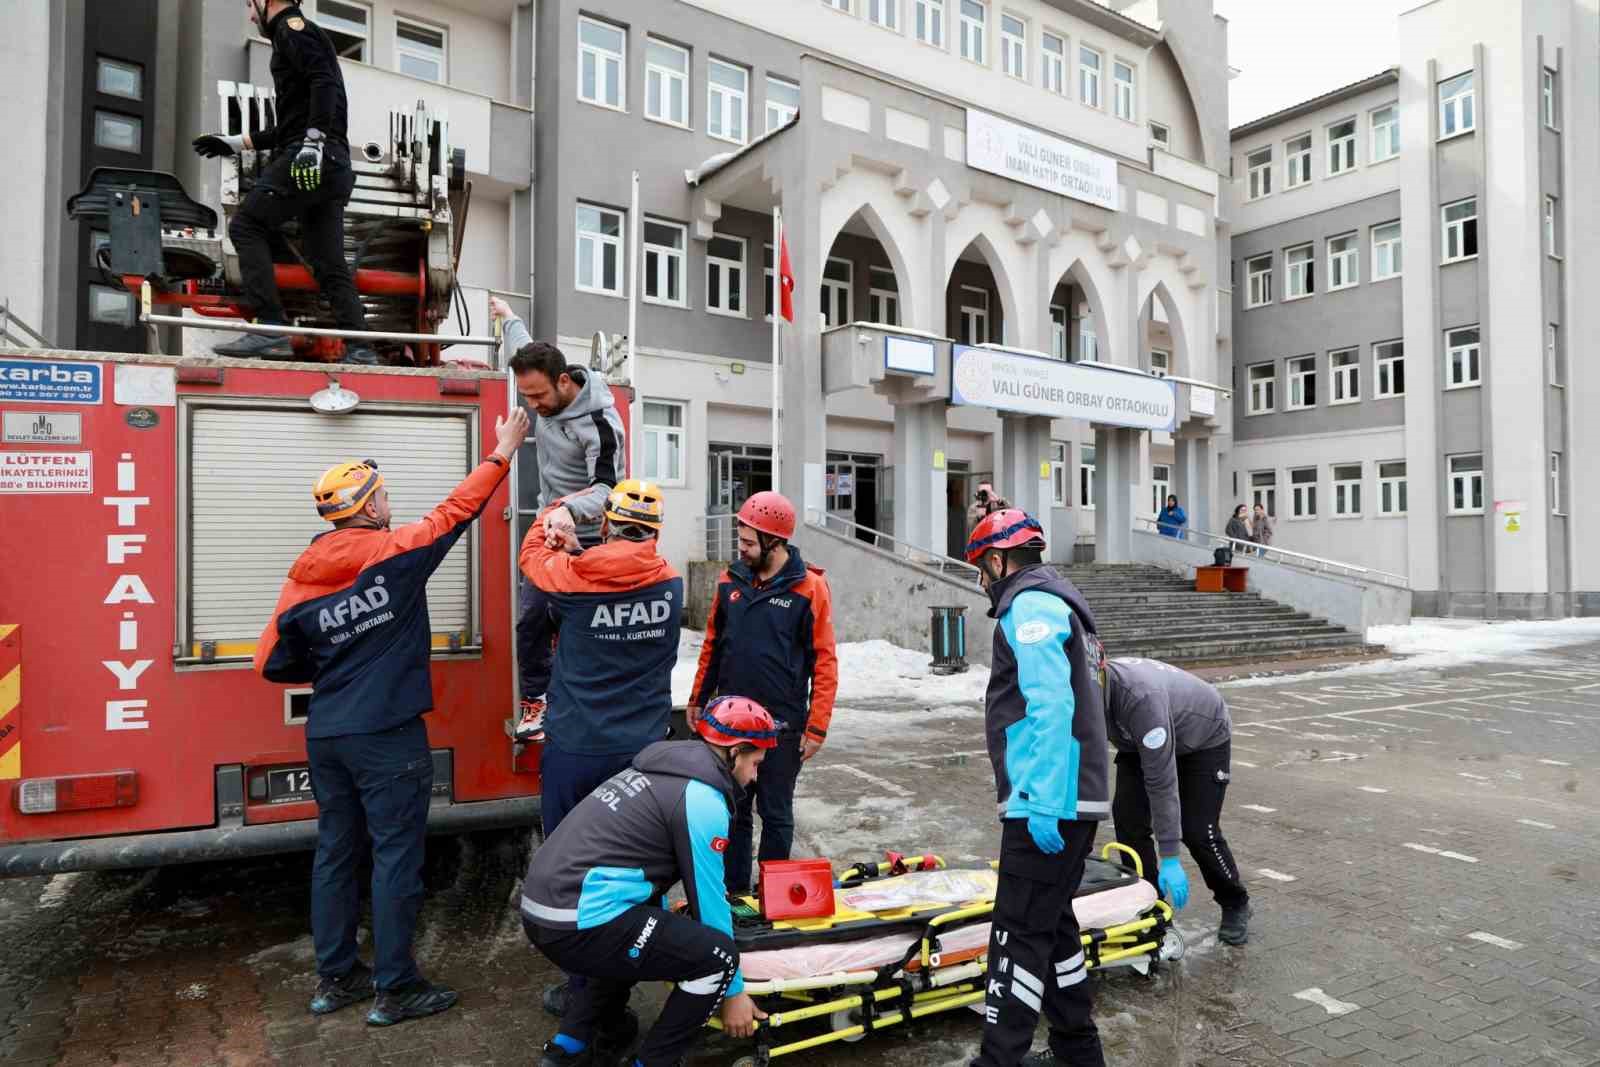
(949,633)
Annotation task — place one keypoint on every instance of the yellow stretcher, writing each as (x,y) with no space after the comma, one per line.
(910,939)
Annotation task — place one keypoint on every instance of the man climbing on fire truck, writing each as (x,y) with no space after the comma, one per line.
(352,621)
(309,179)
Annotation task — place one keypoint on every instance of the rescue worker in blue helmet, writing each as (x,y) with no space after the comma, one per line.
(1044,722)
(593,899)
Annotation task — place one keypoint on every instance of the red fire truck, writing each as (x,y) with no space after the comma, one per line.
(149,510)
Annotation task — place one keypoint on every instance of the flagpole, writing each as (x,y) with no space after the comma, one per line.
(777,372)
(636,405)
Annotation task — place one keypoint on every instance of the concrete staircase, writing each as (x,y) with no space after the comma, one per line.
(1146,611)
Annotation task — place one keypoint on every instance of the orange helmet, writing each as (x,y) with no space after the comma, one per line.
(730,721)
(345,488)
(635,503)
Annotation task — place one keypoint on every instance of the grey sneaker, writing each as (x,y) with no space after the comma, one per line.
(257,346)
(1235,928)
(361,355)
(350,988)
(412,1001)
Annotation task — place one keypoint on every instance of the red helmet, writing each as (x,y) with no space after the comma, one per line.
(770,513)
(1007,528)
(729,721)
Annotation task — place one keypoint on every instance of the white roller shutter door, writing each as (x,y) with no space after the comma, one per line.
(251,511)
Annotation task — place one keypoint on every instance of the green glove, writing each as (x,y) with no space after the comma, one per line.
(306,170)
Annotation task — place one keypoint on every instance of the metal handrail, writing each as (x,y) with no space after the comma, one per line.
(8,319)
(913,554)
(1273,554)
(717,535)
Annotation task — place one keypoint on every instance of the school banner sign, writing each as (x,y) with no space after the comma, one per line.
(1034,385)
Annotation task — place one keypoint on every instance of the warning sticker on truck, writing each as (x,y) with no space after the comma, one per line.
(46,472)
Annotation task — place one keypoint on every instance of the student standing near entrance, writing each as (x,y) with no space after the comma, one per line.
(769,637)
(1045,725)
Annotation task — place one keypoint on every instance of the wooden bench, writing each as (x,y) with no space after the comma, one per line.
(1220,579)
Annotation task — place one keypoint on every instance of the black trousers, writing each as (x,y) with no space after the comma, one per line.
(536,632)
(1035,956)
(643,944)
(275,200)
(1202,783)
(772,795)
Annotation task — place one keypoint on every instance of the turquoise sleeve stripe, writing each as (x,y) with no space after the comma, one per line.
(1042,760)
(707,815)
(608,892)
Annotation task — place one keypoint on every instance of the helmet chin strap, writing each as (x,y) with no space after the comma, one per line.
(260,7)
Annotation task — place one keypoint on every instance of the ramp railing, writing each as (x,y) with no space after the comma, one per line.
(913,554)
(10,325)
(1273,554)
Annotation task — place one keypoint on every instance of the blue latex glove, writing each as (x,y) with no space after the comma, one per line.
(1046,833)
(1173,882)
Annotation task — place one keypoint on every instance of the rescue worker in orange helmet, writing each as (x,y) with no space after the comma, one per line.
(769,636)
(352,621)
(618,608)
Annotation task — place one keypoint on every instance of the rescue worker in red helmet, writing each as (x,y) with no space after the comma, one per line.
(352,621)
(769,636)
(592,899)
(1044,722)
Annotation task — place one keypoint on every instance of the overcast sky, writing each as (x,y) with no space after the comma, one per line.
(1291,50)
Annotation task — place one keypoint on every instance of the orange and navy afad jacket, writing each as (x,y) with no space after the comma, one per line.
(352,619)
(773,642)
(620,606)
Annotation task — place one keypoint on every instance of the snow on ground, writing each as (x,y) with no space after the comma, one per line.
(1436,644)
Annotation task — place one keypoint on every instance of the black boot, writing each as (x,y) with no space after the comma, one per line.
(257,346)
(412,1001)
(1235,929)
(617,1038)
(350,988)
(553,1055)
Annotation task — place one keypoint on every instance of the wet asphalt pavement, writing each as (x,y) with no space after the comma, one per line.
(1423,849)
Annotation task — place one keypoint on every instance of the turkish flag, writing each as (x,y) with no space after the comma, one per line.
(785,278)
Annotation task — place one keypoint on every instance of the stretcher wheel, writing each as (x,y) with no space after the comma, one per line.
(839,1020)
(745,1061)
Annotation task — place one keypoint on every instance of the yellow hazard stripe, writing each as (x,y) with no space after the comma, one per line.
(11,763)
(10,690)
(6,629)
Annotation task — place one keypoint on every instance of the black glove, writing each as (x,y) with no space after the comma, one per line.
(212,145)
(306,170)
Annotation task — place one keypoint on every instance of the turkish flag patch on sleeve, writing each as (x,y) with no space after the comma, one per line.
(719,844)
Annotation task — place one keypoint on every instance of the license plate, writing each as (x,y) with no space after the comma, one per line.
(288,785)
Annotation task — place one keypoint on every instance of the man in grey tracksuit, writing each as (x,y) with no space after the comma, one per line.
(1174,746)
(581,456)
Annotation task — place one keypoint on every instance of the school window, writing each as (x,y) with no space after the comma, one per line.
(420,51)
(1460,230)
(663,441)
(1160,486)
(1462,358)
(1259,165)
(1303,493)
(1053,63)
(1392,488)
(1550,226)
(725,276)
(666,82)
(1086,466)
(602,64)
(883,298)
(1088,340)
(1014,46)
(348,25)
(116,78)
(727,86)
(119,133)
(837,275)
(766,281)
(113,307)
(599,250)
(1059,474)
(1466,484)
(1552,355)
(1299,275)
(1389,361)
(1297,160)
(1160,135)
(927,21)
(973,17)
(974,315)
(1385,133)
(1263,388)
(1259,273)
(1125,102)
(1058,331)
(1343,267)
(1555,483)
(1548,98)
(1264,491)
(783,102)
(1160,362)
(1089,76)
(1386,251)
(1455,106)
(664,244)
(1341,147)
(1347,490)
(1302,383)
(1344,369)
(885,13)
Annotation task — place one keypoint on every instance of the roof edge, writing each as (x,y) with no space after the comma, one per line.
(1113,21)
(1305,107)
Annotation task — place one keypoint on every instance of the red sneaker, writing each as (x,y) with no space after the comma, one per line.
(530,723)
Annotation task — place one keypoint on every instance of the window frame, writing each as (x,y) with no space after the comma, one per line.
(1550,99)
(1555,484)
(887,15)
(1053,65)
(1265,492)
(1344,376)
(667,76)
(1119,84)
(104,63)
(444,48)
(1382,361)
(877,296)
(668,432)
(1391,150)
(599,55)
(1299,372)
(1302,156)
(1471,357)
(1253,170)
(1303,494)
(664,255)
(1345,141)
(1399,491)
(601,241)
(1347,491)
(1351,261)
(1467,477)
(1306,268)
(718,113)
(1091,77)
(726,289)
(834,285)
(1555,373)
(1060,346)
(1013,47)
(134,122)
(1165,370)
(1269,388)
(1550,225)
(1458,226)
(769,105)
(936,14)
(1165,139)
(981,309)
(978,32)
(1160,487)
(1264,276)
(1088,340)
(1393,247)
(1087,471)
(1462,102)
(1060,494)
